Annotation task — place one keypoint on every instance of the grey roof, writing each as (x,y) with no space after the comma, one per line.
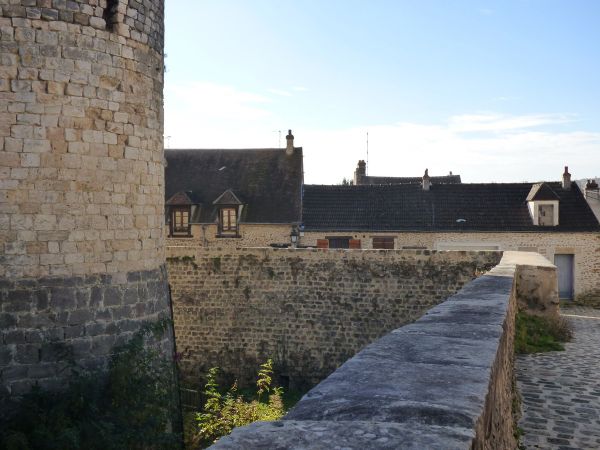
(267,181)
(444,179)
(407,207)
(541,191)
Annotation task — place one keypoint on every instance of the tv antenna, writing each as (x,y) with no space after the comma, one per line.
(367,166)
(279,141)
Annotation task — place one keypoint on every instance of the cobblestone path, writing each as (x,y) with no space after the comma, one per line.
(561,390)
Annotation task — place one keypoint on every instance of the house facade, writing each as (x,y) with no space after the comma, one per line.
(551,218)
(233,198)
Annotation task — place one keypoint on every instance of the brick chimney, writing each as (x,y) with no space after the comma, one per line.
(360,172)
(566,179)
(426,182)
(289,148)
(592,190)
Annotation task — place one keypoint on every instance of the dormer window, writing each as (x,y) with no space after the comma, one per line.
(543,205)
(545,215)
(181,208)
(229,208)
(228,221)
(180,221)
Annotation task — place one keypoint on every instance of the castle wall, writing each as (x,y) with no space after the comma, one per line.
(444,381)
(81,181)
(309,310)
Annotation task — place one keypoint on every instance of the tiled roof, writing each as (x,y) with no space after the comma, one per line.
(267,181)
(228,198)
(404,207)
(541,191)
(445,179)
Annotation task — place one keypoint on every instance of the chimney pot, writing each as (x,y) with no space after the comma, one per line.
(289,149)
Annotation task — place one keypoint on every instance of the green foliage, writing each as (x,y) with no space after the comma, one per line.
(536,334)
(133,407)
(223,412)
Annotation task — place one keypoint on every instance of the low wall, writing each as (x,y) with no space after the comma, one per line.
(444,381)
(309,310)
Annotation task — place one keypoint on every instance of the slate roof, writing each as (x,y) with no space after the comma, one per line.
(541,191)
(267,181)
(444,179)
(407,207)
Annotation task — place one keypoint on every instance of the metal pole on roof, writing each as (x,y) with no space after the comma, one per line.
(367,165)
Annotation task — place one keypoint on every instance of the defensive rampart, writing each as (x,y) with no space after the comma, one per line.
(309,310)
(444,381)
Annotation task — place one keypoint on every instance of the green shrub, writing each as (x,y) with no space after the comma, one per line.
(536,334)
(223,412)
(131,407)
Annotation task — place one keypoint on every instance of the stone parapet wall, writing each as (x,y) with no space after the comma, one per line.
(584,246)
(444,381)
(309,310)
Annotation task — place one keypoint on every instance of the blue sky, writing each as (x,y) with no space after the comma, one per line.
(496,91)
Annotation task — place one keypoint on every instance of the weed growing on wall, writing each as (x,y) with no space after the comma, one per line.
(224,412)
(132,407)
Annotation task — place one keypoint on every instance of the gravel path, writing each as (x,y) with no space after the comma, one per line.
(561,390)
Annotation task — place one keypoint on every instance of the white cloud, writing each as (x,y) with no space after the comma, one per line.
(279,92)
(501,154)
(210,100)
(502,123)
(481,147)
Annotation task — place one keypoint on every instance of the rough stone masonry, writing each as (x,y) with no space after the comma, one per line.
(309,310)
(81,182)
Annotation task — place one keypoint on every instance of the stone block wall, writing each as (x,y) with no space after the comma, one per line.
(251,235)
(81,180)
(308,309)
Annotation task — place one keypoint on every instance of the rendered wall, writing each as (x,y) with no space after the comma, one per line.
(585,247)
(309,310)
(81,182)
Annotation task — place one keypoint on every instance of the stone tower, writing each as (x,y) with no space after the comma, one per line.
(81,182)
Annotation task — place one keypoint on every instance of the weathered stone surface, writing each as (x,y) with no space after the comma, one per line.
(444,381)
(309,310)
(32,338)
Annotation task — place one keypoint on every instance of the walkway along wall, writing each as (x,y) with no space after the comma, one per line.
(309,310)
(444,381)
(81,183)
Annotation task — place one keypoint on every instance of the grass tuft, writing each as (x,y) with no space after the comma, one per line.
(536,334)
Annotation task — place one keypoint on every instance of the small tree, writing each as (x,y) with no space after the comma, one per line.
(222,413)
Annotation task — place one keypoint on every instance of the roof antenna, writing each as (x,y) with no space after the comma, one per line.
(367,168)
(278,142)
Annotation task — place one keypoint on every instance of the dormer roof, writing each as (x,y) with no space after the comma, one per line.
(183,198)
(541,191)
(227,198)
